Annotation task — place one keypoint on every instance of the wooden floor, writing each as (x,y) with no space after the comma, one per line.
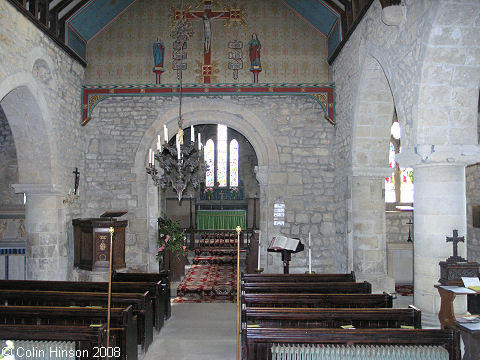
(201,331)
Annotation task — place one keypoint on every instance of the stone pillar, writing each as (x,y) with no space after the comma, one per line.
(368,224)
(440,207)
(262,178)
(46,247)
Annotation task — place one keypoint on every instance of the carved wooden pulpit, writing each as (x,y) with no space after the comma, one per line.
(92,241)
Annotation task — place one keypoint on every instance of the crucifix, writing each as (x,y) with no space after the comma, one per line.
(77,179)
(207,15)
(455,239)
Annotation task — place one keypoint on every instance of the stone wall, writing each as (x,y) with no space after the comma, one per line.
(292,50)
(40,93)
(396,226)
(8,165)
(294,132)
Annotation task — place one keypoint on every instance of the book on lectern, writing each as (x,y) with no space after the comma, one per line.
(283,243)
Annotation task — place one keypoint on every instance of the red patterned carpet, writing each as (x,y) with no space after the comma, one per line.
(208,283)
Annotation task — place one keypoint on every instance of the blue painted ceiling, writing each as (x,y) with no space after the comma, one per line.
(97,14)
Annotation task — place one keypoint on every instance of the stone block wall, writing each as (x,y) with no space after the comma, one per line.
(304,177)
(396,226)
(8,165)
(40,80)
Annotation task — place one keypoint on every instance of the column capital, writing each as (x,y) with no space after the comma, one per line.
(262,174)
(439,154)
(39,189)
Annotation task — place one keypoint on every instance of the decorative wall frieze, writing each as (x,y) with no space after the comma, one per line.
(322,93)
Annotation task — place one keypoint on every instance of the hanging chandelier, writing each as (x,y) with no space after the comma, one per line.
(182,163)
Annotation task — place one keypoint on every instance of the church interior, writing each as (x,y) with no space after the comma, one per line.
(238,157)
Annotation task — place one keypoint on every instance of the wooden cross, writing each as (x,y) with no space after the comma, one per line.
(207,15)
(455,239)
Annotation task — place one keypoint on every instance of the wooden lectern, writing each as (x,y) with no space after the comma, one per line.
(92,241)
(286,253)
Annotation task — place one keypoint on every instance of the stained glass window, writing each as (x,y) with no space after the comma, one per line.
(209,157)
(406,187)
(233,163)
(222,155)
(390,181)
(404,176)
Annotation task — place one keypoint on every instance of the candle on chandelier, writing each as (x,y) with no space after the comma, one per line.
(192,134)
(199,142)
(159,144)
(165,133)
(258,262)
(150,157)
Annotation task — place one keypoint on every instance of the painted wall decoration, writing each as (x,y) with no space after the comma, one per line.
(292,50)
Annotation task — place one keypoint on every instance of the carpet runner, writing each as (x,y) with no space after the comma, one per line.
(213,275)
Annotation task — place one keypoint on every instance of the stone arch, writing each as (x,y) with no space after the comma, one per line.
(370,143)
(26,111)
(197,111)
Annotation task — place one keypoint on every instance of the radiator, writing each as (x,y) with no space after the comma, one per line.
(38,350)
(360,352)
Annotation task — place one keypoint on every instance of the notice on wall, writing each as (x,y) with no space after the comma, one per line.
(279,213)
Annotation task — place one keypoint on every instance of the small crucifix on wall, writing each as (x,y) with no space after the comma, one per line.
(455,239)
(77,180)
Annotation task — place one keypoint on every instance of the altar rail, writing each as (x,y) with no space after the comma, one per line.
(214,238)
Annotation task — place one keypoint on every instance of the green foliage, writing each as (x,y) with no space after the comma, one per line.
(170,237)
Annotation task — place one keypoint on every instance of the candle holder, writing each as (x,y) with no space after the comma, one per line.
(259,271)
(309,272)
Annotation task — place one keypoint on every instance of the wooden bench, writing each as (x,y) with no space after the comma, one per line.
(259,341)
(141,305)
(154,289)
(122,321)
(250,278)
(309,287)
(332,317)
(88,340)
(162,276)
(318,300)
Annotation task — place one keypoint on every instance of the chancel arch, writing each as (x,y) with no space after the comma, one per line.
(198,111)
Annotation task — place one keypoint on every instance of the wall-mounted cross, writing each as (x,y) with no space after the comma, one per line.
(77,180)
(207,15)
(455,239)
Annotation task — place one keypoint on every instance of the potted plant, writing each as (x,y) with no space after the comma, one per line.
(171,249)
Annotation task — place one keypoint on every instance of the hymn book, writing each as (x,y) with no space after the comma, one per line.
(283,243)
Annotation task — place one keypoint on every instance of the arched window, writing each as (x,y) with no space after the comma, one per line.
(222,155)
(222,165)
(209,156)
(233,163)
(399,186)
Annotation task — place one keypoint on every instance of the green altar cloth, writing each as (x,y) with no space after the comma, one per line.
(221,219)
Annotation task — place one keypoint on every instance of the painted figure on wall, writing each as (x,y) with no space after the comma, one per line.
(254,51)
(158,53)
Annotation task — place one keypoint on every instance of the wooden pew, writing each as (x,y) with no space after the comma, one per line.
(309,287)
(260,340)
(250,278)
(162,276)
(141,305)
(154,289)
(122,321)
(318,300)
(88,339)
(332,317)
